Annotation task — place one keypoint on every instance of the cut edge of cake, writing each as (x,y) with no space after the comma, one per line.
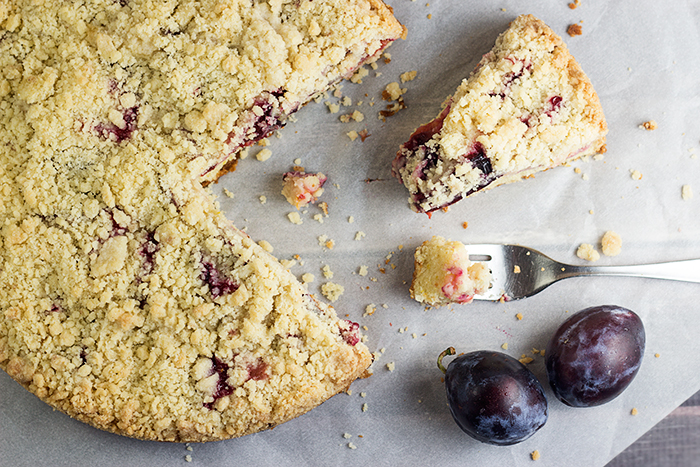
(528,106)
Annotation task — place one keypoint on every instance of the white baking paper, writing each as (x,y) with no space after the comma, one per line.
(643,59)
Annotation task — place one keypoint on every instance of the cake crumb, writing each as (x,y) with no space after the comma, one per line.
(535,455)
(351,219)
(519,316)
(391,366)
(352,135)
(525,360)
(359,74)
(263,199)
(363,134)
(575,4)
(347,435)
(295,218)
(352,446)
(574,30)
(634,411)
(359,235)
(635,174)
(611,243)
(657,355)
(465,224)
(307,278)
(686,192)
(332,291)
(362,271)
(228,193)
(650,125)
(327,273)
(516,269)
(588,252)
(263,155)
(266,246)
(188,458)
(369,310)
(365,407)
(408,76)
(505,346)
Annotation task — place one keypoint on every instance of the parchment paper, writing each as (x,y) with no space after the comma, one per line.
(642,58)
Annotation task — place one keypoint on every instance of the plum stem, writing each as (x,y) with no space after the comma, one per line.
(443,354)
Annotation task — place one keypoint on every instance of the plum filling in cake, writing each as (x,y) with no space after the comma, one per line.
(350,332)
(218,283)
(122,130)
(222,388)
(526,107)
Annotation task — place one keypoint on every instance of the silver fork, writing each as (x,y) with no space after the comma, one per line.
(520,272)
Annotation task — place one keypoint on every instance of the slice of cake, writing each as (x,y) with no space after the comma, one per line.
(443,273)
(126,299)
(526,107)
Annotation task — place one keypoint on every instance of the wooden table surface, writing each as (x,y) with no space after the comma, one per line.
(673,442)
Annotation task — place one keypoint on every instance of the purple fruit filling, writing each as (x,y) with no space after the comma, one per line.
(553,105)
(114,133)
(350,332)
(258,371)
(218,283)
(148,251)
(223,389)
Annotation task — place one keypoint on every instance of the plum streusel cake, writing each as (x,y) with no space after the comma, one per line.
(526,107)
(443,273)
(126,300)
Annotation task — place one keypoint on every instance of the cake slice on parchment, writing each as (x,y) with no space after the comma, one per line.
(126,299)
(443,273)
(526,107)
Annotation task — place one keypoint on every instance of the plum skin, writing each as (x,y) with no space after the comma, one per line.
(494,398)
(594,355)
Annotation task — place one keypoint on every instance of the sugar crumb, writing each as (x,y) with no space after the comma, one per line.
(266,246)
(294,218)
(263,155)
(611,243)
(332,291)
(408,76)
(588,252)
(686,193)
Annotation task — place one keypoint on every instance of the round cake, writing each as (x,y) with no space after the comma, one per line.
(128,301)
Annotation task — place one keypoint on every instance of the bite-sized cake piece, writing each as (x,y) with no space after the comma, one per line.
(444,274)
(301,188)
(526,107)
(126,299)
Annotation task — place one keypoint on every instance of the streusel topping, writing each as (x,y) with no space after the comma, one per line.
(528,106)
(127,300)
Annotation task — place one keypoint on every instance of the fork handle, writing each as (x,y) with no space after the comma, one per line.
(686,270)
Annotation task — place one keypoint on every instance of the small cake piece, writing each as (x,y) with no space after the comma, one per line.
(527,107)
(301,188)
(444,274)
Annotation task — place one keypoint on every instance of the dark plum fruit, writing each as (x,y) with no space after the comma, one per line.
(595,355)
(493,397)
